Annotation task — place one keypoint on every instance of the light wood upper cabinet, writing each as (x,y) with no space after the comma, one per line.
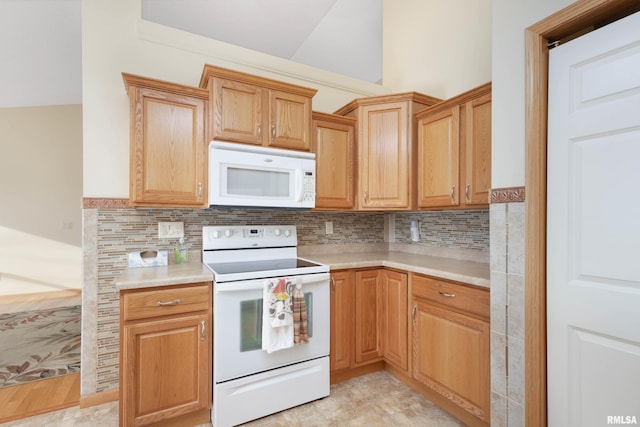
(168,154)
(334,146)
(438,158)
(477,138)
(165,354)
(454,151)
(238,114)
(255,110)
(342,319)
(386,149)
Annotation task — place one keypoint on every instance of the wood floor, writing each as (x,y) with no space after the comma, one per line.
(38,397)
(40,300)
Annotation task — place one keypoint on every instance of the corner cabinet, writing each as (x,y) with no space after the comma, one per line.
(386,145)
(450,323)
(334,147)
(168,154)
(395,338)
(165,354)
(367,311)
(454,152)
(254,110)
(342,319)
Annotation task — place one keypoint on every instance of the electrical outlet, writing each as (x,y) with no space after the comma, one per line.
(170,230)
(328,226)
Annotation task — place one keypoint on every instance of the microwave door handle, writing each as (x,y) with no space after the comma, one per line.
(299,185)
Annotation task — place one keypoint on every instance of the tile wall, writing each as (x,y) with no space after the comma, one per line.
(110,233)
(507,314)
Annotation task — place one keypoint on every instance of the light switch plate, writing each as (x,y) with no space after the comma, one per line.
(170,230)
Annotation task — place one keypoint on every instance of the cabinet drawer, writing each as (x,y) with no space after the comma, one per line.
(165,302)
(456,296)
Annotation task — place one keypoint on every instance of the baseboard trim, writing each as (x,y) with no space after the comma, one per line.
(99,398)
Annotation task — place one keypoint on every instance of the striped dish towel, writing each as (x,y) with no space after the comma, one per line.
(300,333)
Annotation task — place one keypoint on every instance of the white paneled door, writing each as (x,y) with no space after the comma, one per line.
(593,235)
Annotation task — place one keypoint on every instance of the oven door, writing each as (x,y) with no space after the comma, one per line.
(238,328)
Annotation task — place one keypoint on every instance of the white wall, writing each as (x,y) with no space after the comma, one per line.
(437,47)
(40,193)
(116,40)
(510,18)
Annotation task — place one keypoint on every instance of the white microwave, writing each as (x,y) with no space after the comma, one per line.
(244,175)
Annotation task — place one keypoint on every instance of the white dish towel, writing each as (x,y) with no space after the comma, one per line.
(277,315)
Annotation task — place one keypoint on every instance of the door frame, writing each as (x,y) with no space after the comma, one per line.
(576,19)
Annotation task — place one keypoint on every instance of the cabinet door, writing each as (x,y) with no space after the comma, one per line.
(394,303)
(334,146)
(451,356)
(438,159)
(477,151)
(383,161)
(342,319)
(367,316)
(168,149)
(238,112)
(167,369)
(290,121)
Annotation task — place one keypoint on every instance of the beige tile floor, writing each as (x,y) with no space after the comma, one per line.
(377,399)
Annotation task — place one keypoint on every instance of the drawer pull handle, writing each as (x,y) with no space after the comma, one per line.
(168,303)
(203,336)
(446,294)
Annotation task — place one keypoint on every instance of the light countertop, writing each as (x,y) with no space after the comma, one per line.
(172,274)
(470,272)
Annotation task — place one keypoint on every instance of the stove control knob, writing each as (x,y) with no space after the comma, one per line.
(228,233)
(287,233)
(215,234)
(277,232)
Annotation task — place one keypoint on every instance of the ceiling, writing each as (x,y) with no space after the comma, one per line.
(41,47)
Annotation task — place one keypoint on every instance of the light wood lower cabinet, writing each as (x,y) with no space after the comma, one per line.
(450,327)
(342,319)
(165,354)
(368,318)
(395,340)
(368,323)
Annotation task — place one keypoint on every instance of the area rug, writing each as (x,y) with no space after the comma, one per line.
(39,344)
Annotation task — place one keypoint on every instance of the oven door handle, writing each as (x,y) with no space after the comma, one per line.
(258,284)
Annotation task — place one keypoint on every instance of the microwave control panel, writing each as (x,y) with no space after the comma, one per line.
(309,192)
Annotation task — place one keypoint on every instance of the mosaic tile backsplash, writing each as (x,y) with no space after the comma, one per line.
(468,229)
(120,231)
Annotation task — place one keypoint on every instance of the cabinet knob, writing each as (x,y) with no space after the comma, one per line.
(466,192)
(273,132)
(199,189)
(259,132)
(364,197)
(453,193)
(203,335)
(413,313)
(333,284)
